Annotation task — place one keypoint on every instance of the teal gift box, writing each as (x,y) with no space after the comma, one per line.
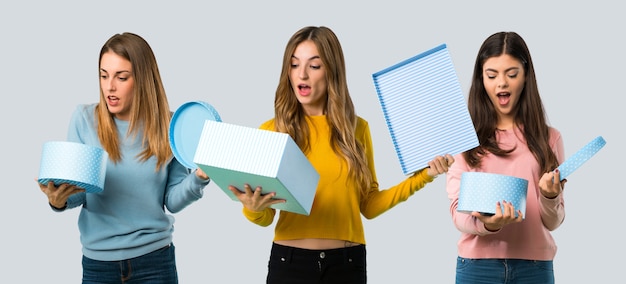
(235,155)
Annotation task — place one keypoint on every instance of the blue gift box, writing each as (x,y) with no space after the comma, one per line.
(234,155)
(74,163)
(481,191)
(425,109)
(186,128)
(581,156)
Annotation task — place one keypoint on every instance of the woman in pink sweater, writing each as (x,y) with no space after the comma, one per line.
(515,140)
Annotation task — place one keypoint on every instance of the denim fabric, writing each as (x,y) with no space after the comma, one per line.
(302,266)
(157,267)
(503,271)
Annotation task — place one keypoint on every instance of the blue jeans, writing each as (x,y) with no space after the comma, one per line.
(302,266)
(157,267)
(503,271)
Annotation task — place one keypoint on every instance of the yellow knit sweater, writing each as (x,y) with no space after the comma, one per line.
(338,204)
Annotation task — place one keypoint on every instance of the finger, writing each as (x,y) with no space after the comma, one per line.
(557,176)
(438,165)
(235,190)
(267,198)
(201,174)
(257,191)
(247,189)
(433,170)
(276,201)
(432,165)
(449,159)
(552,178)
(78,189)
(510,209)
(43,187)
(514,212)
(498,209)
(483,217)
(65,190)
(65,187)
(443,164)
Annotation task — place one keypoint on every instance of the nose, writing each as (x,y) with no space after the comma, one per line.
(108,84)
(502,82)
(302,73)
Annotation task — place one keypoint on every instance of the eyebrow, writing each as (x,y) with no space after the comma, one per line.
(116,73)
(506,70)
(311,58)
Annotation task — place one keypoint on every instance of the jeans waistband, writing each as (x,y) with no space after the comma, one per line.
(315,252)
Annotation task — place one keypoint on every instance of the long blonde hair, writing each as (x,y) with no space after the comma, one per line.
(342,119)
(149,108)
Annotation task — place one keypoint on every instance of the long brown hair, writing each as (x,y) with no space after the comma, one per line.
(289,114)
(530,115)
(149,108)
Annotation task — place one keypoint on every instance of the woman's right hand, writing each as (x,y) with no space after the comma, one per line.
(254,200)
(57,196)
(504,215)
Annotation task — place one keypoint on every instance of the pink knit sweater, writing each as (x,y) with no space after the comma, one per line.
(529,239)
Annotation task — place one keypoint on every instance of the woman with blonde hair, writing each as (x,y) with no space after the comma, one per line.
(314,107)
(125,230)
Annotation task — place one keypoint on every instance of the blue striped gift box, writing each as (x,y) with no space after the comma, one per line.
(234,155)
(425,109)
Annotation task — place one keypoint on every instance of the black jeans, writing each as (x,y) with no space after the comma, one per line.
(302,266)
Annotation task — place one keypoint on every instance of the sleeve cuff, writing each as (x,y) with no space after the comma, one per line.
(58,209)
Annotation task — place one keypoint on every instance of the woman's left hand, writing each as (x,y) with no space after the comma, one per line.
(440,165)
(549,184)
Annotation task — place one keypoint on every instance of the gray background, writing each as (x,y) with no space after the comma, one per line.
(228,53)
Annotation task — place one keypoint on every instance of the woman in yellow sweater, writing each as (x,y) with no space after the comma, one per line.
(314,107)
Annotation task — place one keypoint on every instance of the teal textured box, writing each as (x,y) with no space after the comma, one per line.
(235,155)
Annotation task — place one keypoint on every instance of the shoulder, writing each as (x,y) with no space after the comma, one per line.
(362,131)
(361,124)
(554,131)
(555,135)
(85,108)
(555,141)
(268,125)
(84,111)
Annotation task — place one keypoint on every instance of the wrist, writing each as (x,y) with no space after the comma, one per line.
(549,195)
(491,229)
(58,208)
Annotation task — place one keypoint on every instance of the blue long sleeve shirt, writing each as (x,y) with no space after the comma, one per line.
(128,218)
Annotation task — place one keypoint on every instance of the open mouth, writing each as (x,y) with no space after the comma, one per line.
(504,98)
(304,90)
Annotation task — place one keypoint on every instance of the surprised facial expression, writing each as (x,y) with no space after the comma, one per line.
(504,79)
(117,83)
(308,78)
